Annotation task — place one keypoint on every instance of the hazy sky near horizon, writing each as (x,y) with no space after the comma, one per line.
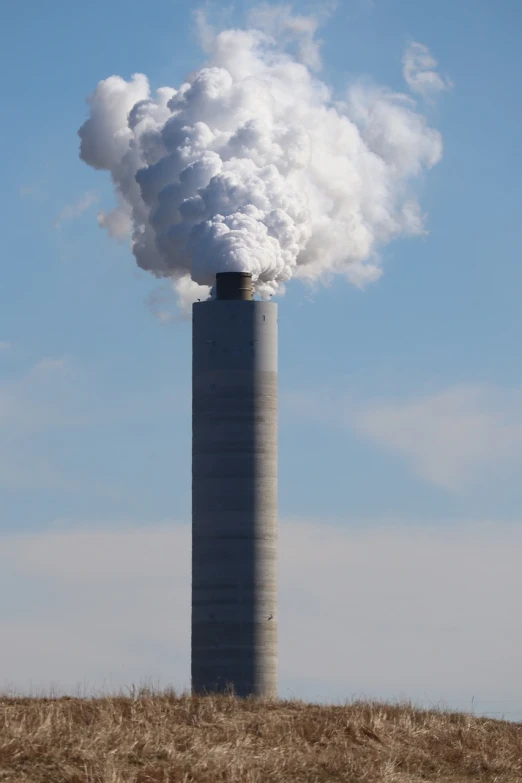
(400,404)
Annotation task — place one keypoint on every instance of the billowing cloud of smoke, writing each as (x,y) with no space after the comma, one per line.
(252,165)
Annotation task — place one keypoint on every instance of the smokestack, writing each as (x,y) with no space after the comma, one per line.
(234,491)
(234,285)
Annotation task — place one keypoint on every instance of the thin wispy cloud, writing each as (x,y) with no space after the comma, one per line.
(35,402)
(419,71)
(55,401)
(457,438)
(73,211)
(5,346)
(449,438)
(51,363)
(24,398)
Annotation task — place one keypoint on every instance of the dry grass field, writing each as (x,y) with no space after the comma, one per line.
(152,737)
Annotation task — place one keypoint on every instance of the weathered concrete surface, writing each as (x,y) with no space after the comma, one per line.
(234,497)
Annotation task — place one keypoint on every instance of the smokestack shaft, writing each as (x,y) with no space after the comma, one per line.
(234,497)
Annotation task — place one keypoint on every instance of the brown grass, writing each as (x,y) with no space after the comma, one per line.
(152,737)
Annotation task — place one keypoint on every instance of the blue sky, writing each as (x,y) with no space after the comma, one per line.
(400,405)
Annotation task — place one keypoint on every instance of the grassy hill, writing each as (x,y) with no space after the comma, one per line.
(150,737)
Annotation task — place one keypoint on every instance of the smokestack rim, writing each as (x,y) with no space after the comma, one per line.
(234,285)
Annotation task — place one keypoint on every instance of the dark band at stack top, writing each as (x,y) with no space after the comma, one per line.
(234,285)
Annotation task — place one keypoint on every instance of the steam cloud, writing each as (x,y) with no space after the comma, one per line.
(251,165)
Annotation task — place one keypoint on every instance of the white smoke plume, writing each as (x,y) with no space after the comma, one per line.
(73,211)
(252,165)
(419,71)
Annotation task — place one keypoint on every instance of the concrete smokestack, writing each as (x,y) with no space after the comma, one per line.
(234,491)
